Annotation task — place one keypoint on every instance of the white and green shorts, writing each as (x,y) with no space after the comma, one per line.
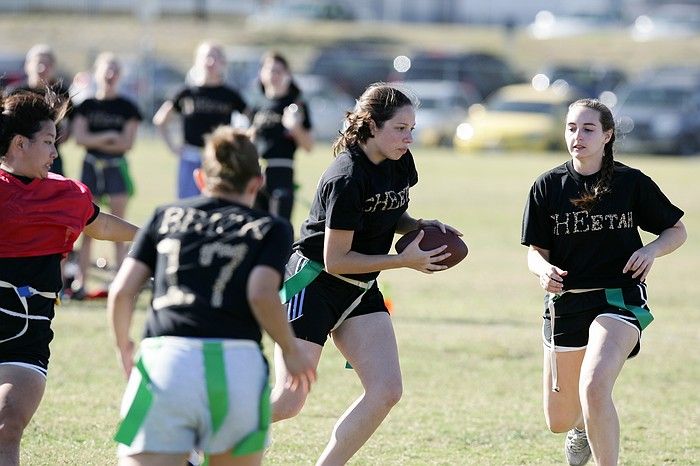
(191,393)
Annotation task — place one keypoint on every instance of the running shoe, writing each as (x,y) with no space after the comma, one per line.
(576,447)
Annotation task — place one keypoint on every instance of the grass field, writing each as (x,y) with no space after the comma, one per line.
(468,337)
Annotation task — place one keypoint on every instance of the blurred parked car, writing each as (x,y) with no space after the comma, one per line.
(590,80)
(483,71)
(659,115)
(517,117)
(147,81)
(351,67)
(670,20)
(11,69)
(443,106)
(278,12)
(327,105)
(687,73)
(548,25)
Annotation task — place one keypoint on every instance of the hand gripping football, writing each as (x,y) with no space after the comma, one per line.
(434,238)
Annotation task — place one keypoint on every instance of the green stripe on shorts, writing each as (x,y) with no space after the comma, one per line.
(215,374)
(128,182)
(615,298)
(255,441)
(133,420)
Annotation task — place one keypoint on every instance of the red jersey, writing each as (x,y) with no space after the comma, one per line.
(42,217)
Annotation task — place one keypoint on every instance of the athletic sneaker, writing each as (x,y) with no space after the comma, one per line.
(194,459)
(576,447)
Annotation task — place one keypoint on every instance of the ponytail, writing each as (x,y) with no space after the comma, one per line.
(230,160)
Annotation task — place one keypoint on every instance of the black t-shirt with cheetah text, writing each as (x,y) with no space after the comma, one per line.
(204,108)
(272,139)
(594,246)
(356,194)
(107,115)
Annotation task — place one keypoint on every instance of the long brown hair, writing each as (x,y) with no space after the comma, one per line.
(590,197)
(378,103)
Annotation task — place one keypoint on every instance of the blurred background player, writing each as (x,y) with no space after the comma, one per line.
(203,105)
(40,67)
(218,266)
(106,125)
(42,215)
(281,123)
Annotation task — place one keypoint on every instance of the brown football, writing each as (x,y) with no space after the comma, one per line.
(434,238)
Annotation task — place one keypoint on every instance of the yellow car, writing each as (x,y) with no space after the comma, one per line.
(517,117)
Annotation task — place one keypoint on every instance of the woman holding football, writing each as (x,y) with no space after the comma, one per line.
(360,203)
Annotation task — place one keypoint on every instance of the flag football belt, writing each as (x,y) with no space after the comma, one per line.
(217,393)
(278,163)
(24,292)
(614,298)
(307,274)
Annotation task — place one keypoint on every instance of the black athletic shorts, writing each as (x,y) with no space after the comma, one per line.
(28,345)
(315,310)
(277,196)
(575,312)
(105,176)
